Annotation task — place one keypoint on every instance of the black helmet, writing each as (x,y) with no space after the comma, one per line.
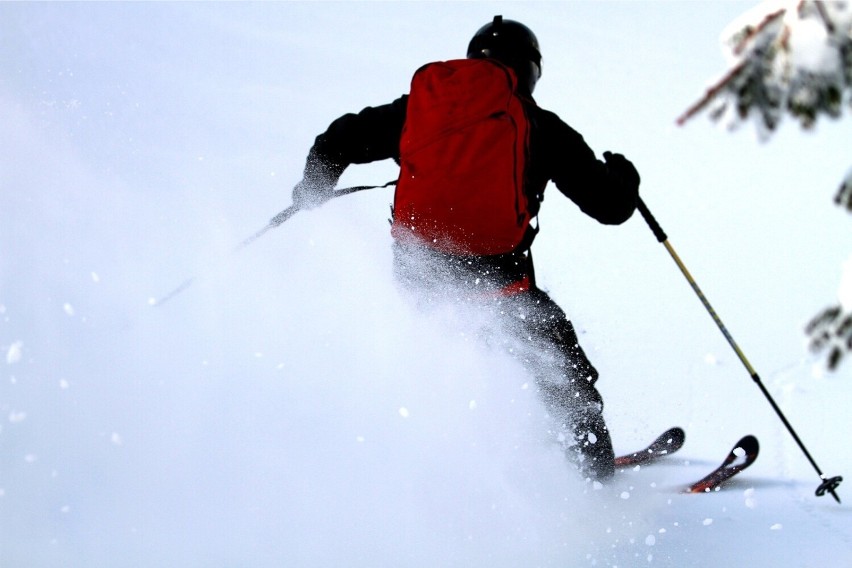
(512,44)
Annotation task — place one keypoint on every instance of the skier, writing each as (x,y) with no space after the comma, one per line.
(446,227)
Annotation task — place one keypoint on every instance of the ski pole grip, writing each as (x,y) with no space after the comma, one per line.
(652,223)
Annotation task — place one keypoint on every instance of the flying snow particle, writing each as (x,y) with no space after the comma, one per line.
(15,417)
(650,540)
(14,354)
(404,412)
(116,439)
(472,405)
(625,495)
(68,309)
(95,277)
(776,527)
(750,501)
(707,522)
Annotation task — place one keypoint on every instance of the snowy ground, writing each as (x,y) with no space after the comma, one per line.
(291,408)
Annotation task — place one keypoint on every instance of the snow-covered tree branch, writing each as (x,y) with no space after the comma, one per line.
(792,57)
(785,56)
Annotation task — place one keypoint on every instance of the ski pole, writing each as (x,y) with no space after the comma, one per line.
(275,222)
(828,485)
(293,209)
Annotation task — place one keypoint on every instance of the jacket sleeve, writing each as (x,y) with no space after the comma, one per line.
(598,189)
(368,136)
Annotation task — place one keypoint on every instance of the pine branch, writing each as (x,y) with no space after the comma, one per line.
(712,93)
(733,74)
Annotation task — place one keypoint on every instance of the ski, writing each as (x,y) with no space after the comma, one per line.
(666,444)
(741,456)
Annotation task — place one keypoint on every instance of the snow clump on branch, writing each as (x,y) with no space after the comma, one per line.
(785,56)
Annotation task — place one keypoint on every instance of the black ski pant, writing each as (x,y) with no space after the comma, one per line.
(546,342)
(538,333)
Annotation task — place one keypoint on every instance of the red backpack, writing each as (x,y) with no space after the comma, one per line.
(463,156)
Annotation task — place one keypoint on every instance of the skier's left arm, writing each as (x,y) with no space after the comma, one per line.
(606,190)
(368,136)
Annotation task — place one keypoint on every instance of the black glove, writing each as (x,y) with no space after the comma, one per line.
(308,195)
(622,170)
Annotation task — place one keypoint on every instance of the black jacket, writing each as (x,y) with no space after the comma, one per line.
(558,153)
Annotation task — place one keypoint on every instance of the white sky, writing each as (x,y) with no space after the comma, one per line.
(142,141)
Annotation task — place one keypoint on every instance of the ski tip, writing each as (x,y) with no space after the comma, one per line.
(741,456)
(677,435)
(666,444)
(749,445)
(670,441)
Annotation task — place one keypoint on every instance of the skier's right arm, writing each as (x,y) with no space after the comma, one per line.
(368,136)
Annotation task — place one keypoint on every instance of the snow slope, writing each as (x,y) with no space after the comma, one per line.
(291,407)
